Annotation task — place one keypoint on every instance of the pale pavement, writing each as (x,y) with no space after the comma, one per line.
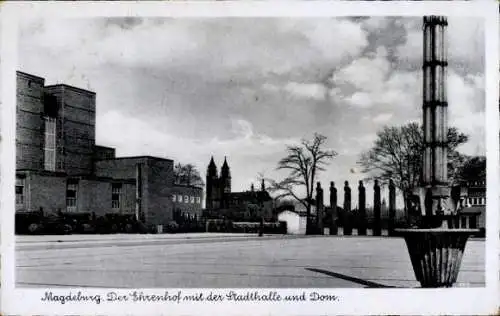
(224,261)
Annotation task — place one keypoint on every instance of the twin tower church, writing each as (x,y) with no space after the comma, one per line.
(220,198)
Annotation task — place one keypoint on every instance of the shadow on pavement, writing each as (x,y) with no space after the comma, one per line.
(366,283)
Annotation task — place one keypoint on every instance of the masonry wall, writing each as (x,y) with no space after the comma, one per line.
(120,168)
(102,152)
(94,196)
(48,192)
(157,182)
(128,199)
(160,183)
(75,128)
(29,122)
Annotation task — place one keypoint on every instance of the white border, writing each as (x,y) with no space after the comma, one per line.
(352,301)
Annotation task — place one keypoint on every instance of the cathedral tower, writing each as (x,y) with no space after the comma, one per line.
(212,181)
(225,177)
(225,183)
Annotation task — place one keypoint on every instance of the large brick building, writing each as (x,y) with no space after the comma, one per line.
(59,167)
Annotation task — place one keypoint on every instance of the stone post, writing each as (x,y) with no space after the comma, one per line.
(362,209)
(319,209)
(377,229)
(392,207)
(333,206)
(347,210)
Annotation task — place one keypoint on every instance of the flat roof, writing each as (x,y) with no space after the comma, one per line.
(30,75)
(107,147)
(63,85)
(136,157)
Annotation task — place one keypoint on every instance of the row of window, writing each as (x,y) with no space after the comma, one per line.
(477,201)
(72,194)
(116,195)
(187,199)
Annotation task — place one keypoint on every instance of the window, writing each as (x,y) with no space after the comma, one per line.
(71,195)
(198,200)
(191,199)
(116,192)
(186,199)
(19,191)
(50,144)
(174,198)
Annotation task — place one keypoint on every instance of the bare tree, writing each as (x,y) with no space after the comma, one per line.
(187,175)
(397,155)
(303,162)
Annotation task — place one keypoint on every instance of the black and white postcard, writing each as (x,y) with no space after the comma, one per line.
(250,158)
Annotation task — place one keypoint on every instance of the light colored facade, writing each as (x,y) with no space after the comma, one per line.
(295,222)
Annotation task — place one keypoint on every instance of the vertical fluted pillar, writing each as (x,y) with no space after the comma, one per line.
(361,209)
(333,206)
(377,229)
(435,101)
(347,210)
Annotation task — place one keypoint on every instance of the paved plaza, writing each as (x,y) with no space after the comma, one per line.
(225,261)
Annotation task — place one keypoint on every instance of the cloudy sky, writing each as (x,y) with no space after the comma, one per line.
(190,88)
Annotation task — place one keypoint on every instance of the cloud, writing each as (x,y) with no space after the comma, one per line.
(382,118)
(375,84)
(466,110)
(314,91)
(360,100)
(366,73)
(376,23)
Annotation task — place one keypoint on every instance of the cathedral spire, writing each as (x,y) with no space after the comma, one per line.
(225,177)
(212,168)
(225,173)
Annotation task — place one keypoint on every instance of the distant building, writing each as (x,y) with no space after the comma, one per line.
(295,221)
(187,200)
(59,168)
(240,206)
(474,214)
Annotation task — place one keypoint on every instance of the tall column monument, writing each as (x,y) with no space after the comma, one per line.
(435,247)
(434,193)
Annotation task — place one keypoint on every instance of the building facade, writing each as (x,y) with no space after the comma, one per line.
(59,167)
(474,214)
(187,200)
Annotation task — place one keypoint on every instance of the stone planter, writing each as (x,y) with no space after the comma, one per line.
(436,254)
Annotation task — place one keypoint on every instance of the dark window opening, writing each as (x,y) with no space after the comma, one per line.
(50,105)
